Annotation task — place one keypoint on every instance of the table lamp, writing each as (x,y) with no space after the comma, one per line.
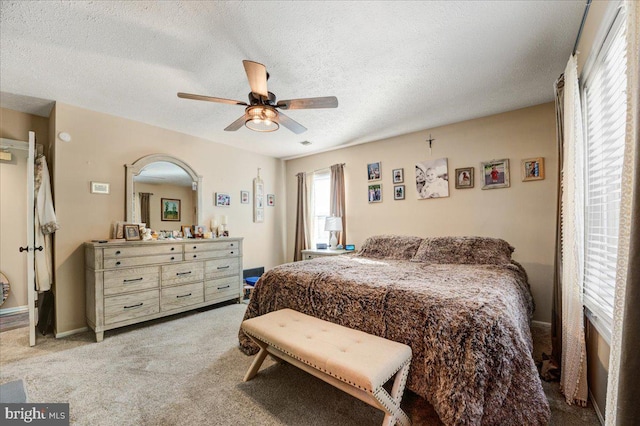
(333,224)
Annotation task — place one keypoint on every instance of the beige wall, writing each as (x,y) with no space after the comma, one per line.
(523,214)
(100,147)
(182,193)
(13,202)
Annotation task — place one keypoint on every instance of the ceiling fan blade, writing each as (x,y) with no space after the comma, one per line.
(236,124)
(309,103)
(257,76)
(209,99)
(291,124)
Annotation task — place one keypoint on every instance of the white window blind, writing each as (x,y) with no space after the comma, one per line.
(321,206)
(604,99)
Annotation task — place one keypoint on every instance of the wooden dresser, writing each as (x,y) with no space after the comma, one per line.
(133,281)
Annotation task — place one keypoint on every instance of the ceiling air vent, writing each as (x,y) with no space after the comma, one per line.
(305,143)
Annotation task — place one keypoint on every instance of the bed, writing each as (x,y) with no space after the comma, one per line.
(461,303)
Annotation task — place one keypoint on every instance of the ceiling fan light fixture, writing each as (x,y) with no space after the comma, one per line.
(261,118)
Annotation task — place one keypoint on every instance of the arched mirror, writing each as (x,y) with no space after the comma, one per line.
(164,192)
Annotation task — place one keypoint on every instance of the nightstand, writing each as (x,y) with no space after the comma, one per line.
(312,254)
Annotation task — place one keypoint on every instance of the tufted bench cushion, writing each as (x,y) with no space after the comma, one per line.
(354,361)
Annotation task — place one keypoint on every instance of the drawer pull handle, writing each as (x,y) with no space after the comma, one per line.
(133,280)
(195,255)
(231,244)
(183,295)
(223,267)
(194,247)
(134,306)
(231,252)
(118,263)
(182,273)
(118,252)
(173,248)
(173,258)
(226,286)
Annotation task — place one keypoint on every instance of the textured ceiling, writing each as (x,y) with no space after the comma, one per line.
(395,67)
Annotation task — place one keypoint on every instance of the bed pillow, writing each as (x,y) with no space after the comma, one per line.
(464,250)
(395,247)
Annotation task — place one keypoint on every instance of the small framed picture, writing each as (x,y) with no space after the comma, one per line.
(170,209)
(532,169)
(375,193)
(464,178)
(222,199)
(99,188)
(131,232)
(495,174)
(186,231)
(373,171)
(271,200)
(398,175)
(199,230)
(398,192)
(244,197)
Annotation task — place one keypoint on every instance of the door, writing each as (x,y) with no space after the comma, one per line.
(30,251)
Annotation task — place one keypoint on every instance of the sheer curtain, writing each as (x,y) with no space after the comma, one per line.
(624,363)
(573,380)
(302,227)
(337,204)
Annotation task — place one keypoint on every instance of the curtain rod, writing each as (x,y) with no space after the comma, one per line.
(584,18)
(322,169)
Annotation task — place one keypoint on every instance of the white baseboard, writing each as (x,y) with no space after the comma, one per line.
(13,311)
(595,406)
(70,332)
(541,323)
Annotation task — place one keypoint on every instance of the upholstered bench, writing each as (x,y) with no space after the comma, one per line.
(351,360)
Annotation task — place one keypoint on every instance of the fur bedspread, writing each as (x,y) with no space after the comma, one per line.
(467,324)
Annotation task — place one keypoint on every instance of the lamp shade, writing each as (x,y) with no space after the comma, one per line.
(333,223)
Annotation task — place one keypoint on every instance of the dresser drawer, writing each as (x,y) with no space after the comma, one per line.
(221,287)
(181,295)
(142,260)
(133,279)
(221,267)
(214,254)
(217,245)
(130,306)
(182,273)
(151,249)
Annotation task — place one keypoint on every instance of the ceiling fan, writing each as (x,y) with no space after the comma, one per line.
(262,112)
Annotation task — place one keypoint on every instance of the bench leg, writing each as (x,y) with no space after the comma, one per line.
(395,413)
(255,365)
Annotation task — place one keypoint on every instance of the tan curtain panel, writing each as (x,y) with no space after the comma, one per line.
(337,205)
(145,209)
(301,237)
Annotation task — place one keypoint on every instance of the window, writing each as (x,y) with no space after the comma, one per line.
(604,103)
(321,194)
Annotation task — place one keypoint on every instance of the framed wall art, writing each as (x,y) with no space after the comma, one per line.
(373,171)
(244,197)
(375,193)
(398,175)
(223,199)
(131,232)
(464,178)
(495,174)
(100,188)
(258,199)
(170,209)
(271,200)
(532,169)
(432,178)
(398,192)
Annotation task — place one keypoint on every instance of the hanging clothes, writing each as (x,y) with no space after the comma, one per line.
(45,225)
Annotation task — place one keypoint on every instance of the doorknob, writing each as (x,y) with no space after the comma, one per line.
(24,249)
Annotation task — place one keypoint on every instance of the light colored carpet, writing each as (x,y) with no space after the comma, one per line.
(187,370)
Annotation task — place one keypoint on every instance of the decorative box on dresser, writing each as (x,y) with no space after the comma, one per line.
(133,281)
